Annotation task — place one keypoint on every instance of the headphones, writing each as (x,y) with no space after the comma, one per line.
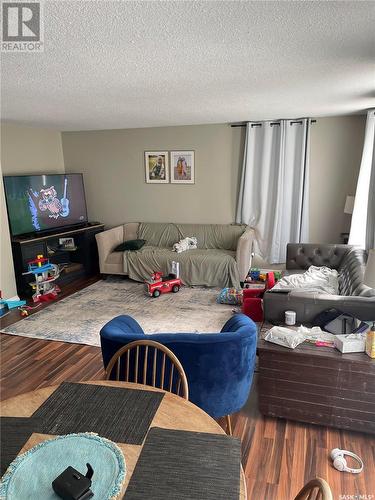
(340,464)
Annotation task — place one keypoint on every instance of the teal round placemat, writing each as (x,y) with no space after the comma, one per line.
(30,475)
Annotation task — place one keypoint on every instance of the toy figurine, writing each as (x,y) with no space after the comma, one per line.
(164,284)
(45,274)
(25,310)
(277,275)
(254,273)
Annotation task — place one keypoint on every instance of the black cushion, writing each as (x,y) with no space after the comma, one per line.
(130,245)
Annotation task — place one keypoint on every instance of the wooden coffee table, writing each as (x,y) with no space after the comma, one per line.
(318,385)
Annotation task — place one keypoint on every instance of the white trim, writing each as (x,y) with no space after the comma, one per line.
(14,298)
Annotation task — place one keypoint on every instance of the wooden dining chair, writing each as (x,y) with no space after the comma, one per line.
(149,363)
(316,489)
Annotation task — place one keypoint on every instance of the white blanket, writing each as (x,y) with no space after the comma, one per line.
(188,243)
(315,279)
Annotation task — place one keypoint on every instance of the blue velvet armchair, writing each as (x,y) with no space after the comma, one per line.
(219,366)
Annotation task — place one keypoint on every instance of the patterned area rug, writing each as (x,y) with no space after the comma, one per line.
(79,317)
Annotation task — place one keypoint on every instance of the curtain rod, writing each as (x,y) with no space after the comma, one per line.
(239,125)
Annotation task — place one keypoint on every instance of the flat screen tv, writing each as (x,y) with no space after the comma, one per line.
(44,202)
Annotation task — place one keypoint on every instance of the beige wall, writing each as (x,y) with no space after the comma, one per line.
(29,150)
(336,149)
(7,281)
(113,165)
(25,150)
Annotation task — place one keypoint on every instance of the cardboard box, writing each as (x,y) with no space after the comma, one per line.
(352,342)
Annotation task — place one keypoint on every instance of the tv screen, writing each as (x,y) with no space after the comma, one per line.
(44,202)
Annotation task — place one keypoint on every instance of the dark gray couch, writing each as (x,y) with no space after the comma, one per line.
(355,297)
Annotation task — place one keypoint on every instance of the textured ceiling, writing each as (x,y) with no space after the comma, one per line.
(120,64)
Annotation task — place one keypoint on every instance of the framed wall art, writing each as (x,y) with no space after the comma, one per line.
(157,167)
(182,167)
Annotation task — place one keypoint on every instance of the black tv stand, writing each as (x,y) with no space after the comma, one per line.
(82,261)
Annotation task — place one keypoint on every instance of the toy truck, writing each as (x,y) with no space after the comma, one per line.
(159,284)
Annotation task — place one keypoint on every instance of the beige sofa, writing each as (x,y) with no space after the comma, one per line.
(223,256)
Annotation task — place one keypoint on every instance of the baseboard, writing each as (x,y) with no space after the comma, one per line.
(14,298)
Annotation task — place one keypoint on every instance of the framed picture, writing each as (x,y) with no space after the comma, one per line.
(157,167)
(182,167)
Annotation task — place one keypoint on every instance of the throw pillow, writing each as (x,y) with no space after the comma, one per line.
(130,245)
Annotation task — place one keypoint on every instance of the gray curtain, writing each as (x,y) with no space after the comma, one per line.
(273,195)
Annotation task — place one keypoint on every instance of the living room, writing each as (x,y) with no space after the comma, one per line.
(237,170)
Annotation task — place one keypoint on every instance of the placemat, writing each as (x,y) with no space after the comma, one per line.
(15,431)
(31,474)
(186,465)
(121,415)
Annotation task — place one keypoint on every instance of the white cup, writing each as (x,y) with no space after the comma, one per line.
(290,318)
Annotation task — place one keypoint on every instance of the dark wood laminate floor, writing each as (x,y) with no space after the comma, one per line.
(279,456)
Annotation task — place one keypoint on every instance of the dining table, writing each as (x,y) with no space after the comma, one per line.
(173,413)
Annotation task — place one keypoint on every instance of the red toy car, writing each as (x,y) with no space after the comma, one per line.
(163,284)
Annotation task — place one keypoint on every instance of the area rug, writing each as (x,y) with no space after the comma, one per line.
(79,317)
